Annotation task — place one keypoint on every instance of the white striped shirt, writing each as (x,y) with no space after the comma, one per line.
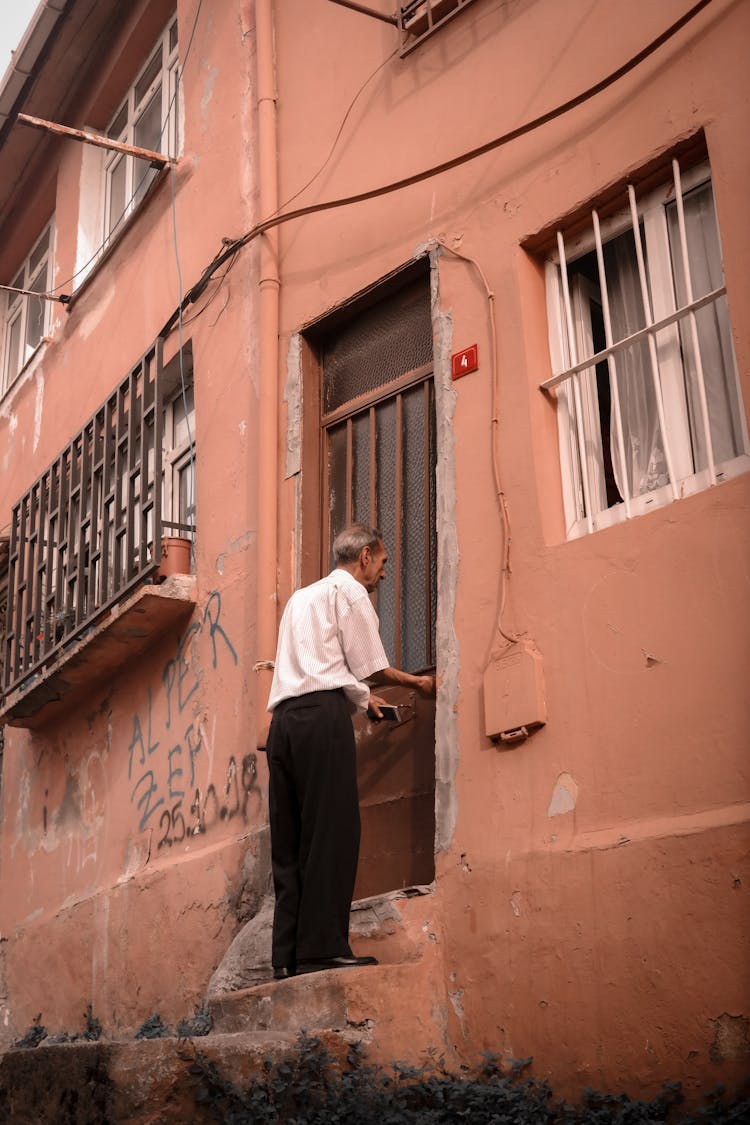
(329,638)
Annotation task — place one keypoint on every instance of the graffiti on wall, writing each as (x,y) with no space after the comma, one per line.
(167,750)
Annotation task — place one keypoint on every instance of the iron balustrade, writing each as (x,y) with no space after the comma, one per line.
(88,531)
(418,19)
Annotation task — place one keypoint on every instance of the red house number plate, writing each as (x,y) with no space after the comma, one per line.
(464,362)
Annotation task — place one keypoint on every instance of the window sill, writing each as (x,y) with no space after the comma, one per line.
(662,497)
(128,630)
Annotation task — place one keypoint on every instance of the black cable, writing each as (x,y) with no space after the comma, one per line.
(418,177)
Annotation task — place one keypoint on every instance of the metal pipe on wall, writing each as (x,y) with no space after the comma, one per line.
(266,465)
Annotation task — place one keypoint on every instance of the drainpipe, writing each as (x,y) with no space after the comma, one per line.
(266,465)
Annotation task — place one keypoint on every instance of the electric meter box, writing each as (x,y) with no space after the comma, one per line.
(514,702)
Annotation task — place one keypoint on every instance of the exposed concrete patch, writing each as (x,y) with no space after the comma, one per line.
(235,546)
(254,882)
(370,915)
(446,725)
(208,93)
(38,408)
(731,1038)
(68,813)
(22,818)
(293,399)
(564,796)
(455,998)
(247,962)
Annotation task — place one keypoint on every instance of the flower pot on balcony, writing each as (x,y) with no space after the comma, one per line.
(175,557)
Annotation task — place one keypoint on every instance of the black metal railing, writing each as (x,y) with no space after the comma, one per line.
(85,532)
(418,19)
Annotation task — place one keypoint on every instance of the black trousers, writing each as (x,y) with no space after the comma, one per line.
(315,826)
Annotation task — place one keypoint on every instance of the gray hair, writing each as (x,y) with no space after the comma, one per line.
(349,543)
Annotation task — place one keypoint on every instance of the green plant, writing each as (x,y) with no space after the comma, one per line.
(153,1028)
(309,1086)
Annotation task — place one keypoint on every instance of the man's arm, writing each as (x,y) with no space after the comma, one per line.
(425,684)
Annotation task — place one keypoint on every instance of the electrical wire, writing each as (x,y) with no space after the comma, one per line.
(437,169)
(312,179)
(336,139)
(190,500)
(512,638)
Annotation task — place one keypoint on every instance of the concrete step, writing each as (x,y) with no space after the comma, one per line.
(355,1002)
(149,1081)
(138,1082)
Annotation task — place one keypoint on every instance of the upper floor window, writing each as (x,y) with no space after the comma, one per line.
(146,118)
(418,19)
(178,503)
(26,318)
(649,403)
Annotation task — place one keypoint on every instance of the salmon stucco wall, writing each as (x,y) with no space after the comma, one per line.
(131,821)
(591,891)
(589,906)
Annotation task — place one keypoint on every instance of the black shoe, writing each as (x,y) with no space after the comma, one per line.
(283,972)
(320,964)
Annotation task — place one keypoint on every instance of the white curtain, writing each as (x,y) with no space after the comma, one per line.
(714,333)
(645,466)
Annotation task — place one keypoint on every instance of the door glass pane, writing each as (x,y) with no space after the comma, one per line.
(143,176)
(146,80)
(148,126)
(186,495)
(40,250)
(414,514)
(14,349)
(147,135)
(35,314)
(337,481)
(117,199)
(119,123)
(183,427)
(385,459)
(361,468)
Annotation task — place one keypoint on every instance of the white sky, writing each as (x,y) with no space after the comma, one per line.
(15,16)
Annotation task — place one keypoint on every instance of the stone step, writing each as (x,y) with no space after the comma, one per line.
(138,1082)
(355,1002)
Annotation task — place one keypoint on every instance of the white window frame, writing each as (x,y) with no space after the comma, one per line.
(16,309)
(576,390)
(178,458)
(138,174)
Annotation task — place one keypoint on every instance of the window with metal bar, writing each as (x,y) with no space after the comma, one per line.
(84,534)
(418,19)
(379,454)
(25,318)
(148,119)
(649,402)
(178,488)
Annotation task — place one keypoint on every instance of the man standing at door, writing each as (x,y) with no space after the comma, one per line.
(329,644)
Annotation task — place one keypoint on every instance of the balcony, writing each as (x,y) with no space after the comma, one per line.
(83,592)
(94,655)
